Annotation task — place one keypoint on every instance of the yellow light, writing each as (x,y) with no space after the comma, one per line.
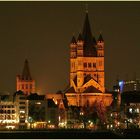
(89,121)
(35,124)
(38,103)
(8,127)
(22,111)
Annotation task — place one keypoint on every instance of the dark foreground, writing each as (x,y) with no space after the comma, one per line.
(69,134)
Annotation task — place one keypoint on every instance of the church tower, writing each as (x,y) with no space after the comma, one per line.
(100,60)
(87,61)
(24,82)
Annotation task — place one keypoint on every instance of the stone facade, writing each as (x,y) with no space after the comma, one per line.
(87,69)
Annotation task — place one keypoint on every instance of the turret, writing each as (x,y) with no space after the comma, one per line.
(73,48)
(100,60)
(80,44)
(100,46)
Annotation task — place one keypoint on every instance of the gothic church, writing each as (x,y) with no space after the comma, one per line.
(87,69)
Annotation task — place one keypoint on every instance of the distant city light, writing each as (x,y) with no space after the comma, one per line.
(121,85)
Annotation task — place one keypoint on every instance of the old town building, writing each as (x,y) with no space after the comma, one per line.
(25,82)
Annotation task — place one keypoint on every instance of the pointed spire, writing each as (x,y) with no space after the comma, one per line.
(26,72)
(89,46)
(80,38)
(86,29)
(100,38)
(73,40)
(86,8)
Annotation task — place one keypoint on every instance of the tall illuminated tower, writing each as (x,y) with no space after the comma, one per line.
(87,60)
(24,82)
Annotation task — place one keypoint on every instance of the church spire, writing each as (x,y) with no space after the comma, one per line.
(26,72)
(86,28)
(89,41)
(100,38)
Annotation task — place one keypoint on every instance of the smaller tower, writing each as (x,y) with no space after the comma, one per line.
(100,43)
(73,48)
(80,44)
(100,60)
(24,82)
(80,69)
(73,55)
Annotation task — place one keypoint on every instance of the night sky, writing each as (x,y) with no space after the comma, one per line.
(42,31)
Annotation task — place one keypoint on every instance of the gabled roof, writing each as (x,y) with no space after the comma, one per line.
(92,89)
(26,72)
(87,78)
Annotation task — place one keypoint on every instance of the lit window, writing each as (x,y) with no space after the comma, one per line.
(137,110)
(22,111)
(130,120)
(38,103)
(130,110)
(22,116)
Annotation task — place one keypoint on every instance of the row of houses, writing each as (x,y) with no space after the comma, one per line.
(21,111)
(34,111)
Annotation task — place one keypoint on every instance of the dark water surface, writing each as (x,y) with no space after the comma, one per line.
(68,134)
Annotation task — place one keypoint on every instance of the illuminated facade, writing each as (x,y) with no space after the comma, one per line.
(87,69)
(21,106)
(8,117)
(25,82)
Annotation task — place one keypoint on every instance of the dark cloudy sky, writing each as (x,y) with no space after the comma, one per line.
(41,32)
